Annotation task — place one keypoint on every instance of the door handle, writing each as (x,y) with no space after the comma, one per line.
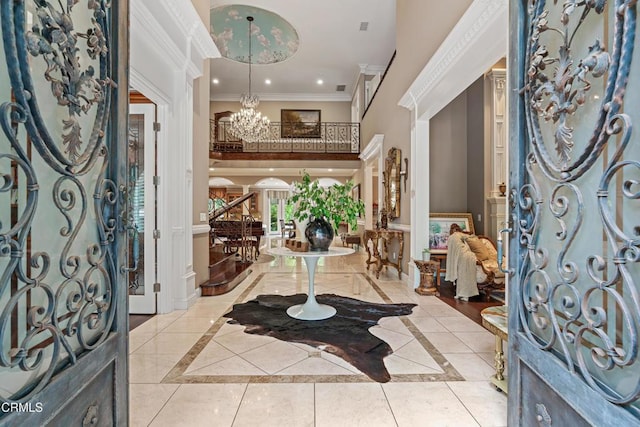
(135,235)
(509,271)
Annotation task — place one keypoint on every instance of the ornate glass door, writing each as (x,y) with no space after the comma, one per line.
(142,209)
(63,317)
(574,306)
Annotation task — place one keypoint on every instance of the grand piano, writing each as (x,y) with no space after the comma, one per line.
(237,236)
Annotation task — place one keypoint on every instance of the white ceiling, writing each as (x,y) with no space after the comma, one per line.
(332,48)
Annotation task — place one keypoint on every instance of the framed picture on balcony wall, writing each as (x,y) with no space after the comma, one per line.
(300,123)
(439,225)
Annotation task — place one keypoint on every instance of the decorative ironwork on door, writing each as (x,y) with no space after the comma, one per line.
(59,203)
(576,213)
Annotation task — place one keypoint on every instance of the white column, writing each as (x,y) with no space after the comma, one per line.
(187,219)
(498,149)
(498,106)
(368,197)
(371,154)
(419,199)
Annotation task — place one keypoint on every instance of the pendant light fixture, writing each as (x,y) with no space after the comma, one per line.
(248,124)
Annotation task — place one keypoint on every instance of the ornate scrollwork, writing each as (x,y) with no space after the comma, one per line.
(57,297)
(56,41)
(581,303)
(82,91)
(554,96)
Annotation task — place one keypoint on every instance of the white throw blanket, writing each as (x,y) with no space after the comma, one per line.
(461,266)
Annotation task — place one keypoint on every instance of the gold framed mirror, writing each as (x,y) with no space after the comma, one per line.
(392,182)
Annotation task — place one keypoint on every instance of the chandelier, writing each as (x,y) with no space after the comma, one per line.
(248,124)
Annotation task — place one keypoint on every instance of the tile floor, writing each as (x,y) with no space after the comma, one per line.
(191,368)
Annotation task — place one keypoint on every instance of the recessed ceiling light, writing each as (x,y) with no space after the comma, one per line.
(215,81)
(267,81)
(330,170)
(211,169)
(320,81)
(271,169)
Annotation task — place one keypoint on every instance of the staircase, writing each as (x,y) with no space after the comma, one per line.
(225,272)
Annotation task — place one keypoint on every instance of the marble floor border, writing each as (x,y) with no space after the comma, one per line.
(177,374)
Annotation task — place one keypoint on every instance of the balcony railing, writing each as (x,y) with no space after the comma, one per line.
(324,137)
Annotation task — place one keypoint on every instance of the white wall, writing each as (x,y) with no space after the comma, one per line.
(168,45)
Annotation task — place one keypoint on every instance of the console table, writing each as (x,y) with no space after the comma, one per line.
(381,259)
(311,310)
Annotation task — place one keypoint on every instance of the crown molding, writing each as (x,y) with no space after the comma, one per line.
(373,148)
(145,26)
(478,40)
(178,33)
(192,26)
(283,97)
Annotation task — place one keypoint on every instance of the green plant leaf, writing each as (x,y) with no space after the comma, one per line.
(335,203)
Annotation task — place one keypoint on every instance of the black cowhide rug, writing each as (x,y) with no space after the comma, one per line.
(346,334)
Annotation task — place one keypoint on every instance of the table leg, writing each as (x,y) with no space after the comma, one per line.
(499,359)
(311,310)
(498,379)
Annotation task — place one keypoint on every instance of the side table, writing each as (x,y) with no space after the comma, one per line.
(440,259)
(495,320)
(311,310)
(427,269)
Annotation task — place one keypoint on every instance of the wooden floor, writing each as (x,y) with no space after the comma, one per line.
(136,320)
(471,308)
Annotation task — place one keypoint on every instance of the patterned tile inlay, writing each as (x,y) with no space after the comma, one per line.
(416,359)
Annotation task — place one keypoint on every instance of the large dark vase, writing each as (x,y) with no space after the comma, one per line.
(320,235)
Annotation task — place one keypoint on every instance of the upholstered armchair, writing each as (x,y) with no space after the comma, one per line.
(472,265)
(488,274)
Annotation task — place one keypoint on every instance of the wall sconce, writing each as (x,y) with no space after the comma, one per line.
(404,174)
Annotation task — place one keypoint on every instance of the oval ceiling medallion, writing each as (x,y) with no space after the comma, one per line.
(273,38)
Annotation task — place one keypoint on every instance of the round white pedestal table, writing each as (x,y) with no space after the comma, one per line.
(311,310)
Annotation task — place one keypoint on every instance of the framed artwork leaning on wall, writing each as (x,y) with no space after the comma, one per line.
(439,225)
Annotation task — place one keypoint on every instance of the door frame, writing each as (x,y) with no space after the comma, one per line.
(169,44)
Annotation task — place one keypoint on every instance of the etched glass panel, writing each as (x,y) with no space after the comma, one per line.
(135,193)
(579,209)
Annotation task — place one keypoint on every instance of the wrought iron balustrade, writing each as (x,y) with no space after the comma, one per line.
(324,137)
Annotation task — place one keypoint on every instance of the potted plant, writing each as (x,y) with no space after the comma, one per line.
(426,254)
(324,208)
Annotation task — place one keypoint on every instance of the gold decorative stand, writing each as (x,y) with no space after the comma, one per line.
(495,320)
(427,269)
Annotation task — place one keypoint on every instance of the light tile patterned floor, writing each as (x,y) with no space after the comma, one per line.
(191,368)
